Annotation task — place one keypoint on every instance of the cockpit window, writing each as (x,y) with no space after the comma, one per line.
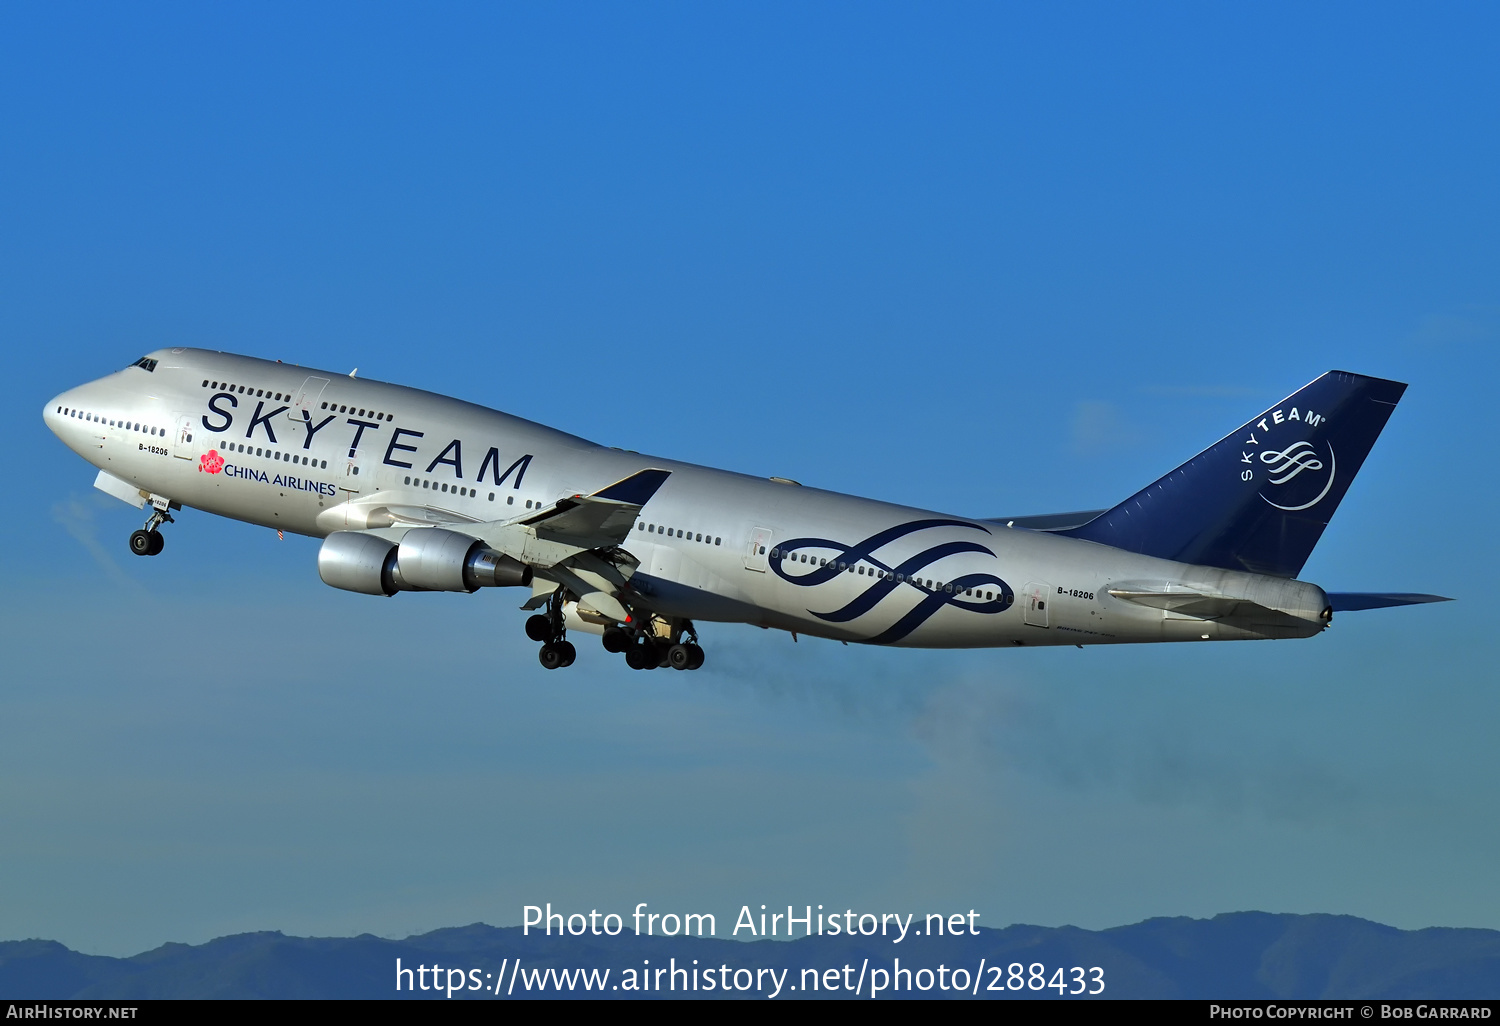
(145,363)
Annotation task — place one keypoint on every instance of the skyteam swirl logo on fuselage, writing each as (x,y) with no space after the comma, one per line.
(890,578)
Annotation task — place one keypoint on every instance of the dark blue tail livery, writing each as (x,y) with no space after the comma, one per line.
(1260,498)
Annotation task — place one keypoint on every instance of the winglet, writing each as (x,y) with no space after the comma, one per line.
(635,490)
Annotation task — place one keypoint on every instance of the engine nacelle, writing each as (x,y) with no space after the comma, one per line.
(359,562)
(432,559)
(427,559)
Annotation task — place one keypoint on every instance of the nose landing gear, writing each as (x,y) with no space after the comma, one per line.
(148,540)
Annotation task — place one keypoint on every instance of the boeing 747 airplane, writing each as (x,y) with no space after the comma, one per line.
(412,491)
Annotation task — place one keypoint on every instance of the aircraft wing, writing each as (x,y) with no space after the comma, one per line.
(422,516)
(601,519)
(574,544)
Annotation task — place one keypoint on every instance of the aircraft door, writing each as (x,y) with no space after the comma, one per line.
(354,473)
(755,552)
(182,438)
(1036,595)
(307,399)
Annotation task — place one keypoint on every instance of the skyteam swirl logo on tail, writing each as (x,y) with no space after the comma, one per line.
(1301,467)
(889,579)
(1298,476)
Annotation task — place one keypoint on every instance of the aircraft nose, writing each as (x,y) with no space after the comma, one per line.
(58,412)
(52,414)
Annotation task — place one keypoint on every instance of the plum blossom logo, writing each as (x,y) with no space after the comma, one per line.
(210,462)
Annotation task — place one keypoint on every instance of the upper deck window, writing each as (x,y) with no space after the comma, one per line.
(145,363)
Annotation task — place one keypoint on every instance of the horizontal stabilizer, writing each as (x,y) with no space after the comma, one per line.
(1349,601)
(1209,607)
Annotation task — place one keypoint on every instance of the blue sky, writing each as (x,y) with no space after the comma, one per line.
(982,258)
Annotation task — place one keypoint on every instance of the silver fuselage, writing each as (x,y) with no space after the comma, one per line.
(203,429)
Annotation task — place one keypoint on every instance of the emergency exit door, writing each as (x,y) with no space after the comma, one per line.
(1036,596)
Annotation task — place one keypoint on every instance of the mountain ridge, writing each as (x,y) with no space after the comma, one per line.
(1234,955)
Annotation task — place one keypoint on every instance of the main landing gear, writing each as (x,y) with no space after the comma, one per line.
(662,643)
(148,540)
(647,643)
(547,628)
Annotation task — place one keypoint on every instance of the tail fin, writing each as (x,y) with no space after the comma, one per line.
(1259,499)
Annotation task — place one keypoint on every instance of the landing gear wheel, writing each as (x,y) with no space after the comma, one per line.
(679,658)
(695,656)
(538,628)
(615,640)
(552,656)
(642,656)
(569,653)
(148,540)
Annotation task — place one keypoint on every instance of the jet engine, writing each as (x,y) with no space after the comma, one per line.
(426,559)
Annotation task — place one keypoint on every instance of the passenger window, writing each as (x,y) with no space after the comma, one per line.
(718,540)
